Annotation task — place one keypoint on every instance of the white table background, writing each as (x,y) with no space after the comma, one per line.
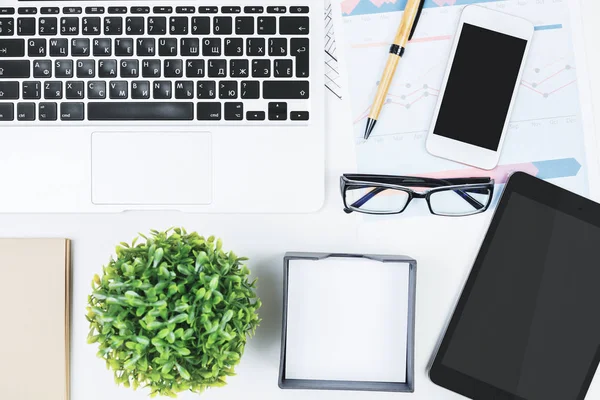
(444,248)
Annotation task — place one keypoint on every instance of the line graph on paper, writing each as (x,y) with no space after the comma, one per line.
(545,121)
(332,73)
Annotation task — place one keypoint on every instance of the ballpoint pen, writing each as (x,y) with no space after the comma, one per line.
(412,12)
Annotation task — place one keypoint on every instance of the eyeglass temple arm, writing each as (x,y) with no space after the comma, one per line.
(360,202)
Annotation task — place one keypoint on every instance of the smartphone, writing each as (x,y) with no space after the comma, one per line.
(479,87)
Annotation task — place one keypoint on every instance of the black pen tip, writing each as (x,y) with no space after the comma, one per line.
(370,125)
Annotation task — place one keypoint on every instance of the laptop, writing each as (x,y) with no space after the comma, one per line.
(194,106)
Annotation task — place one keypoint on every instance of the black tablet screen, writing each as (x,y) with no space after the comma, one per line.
(531,324)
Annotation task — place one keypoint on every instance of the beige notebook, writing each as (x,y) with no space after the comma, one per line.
(35,298)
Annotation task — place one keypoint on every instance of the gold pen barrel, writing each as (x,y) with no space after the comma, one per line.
(384,85)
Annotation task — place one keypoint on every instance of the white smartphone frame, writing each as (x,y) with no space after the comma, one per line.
(462,152)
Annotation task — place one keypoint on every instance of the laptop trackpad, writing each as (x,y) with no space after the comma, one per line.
(152,168)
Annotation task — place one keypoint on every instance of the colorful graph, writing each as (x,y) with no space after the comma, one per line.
(362,7)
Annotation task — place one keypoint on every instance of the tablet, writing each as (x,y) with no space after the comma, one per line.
(527,324)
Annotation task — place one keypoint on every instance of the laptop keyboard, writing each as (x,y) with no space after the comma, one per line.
(140,63)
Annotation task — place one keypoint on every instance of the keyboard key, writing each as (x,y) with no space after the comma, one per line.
(261,68)
(231,9)
(26,111)
(244,25)
(74,90)
(86,68)
(117,10)
(59,47)
(9,90)
(14,69)
(107,68)
(49,10)
(299,10)
(36,47)
(208,10)
(151,68)
(167,47)
(103,47)
(118,90)
(80,47)
(72,10)
(94,10)
(7,112)
(277,10)
(63,68)
(211,47)
(7,10)
(140,111)
(96,90)
(162,10)
(282,68)
(69,26)
(299,49)
(194,69)
(185,10)
(234,111)
(178,25)
(124,47)
(228,90)
(53,90)
(278,47)
(234,47)
(12,48)
(173,68)
(206,89)
(91,25)
(48,26)
(130,68)
(255,115)
(291,89)
(32,90)
(254,9)
(47,111)
(250,90)
(27,10)
(140,90)
(255,46)
(134,25)
(184,90)
(157,25)
(200,25)
(7,26)
(162,90)
(146,47)
(217,68)
(190,47)
(209,111)
(26,26)
(239,68)
(42,69)
(293,26)
(267,25)
(72,111)
(222,25)
(140,10)
(277,111)
(113,25)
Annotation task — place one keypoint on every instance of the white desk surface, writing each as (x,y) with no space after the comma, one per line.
(445,249)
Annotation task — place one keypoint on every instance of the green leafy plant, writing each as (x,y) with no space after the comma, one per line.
(172,313)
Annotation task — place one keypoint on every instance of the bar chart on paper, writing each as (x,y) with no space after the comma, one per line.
(545,125)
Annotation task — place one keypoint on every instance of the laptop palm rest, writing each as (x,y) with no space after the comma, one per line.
(151,168)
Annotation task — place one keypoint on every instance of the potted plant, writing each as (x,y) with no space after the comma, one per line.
(172,312)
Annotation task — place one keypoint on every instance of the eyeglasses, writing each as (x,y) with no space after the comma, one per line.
(385,194)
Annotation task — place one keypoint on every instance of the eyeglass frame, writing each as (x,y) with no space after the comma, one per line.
(436,185)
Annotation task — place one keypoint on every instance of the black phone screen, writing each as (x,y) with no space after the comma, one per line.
(480,87)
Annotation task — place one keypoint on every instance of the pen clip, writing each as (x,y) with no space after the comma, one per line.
(412,31)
